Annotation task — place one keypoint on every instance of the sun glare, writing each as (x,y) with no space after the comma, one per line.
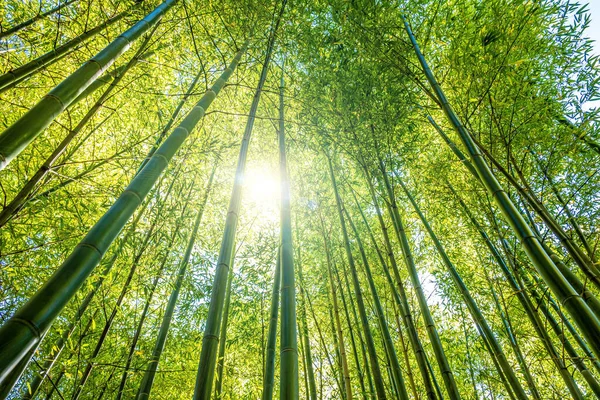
(262,189)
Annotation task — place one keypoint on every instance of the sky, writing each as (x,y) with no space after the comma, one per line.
(594,30)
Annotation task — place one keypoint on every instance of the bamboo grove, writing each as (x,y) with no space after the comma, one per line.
(299,199)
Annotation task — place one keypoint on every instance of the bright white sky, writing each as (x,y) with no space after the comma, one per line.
(594,30)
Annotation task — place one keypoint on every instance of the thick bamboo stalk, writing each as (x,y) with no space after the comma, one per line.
(25,193)
(24,330)
(472,306)
(269,376)
(20,134)
(379,388)
(208,354)
(148,379)
(288,364)
(583,316)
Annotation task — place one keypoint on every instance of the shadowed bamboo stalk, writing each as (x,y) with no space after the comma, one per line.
(583,316)
(126,286)
(288,372)
(210,339)
(403,304)
(432,332)
(379,388)
(397,302)
(14,76)
(472,306)
(525,301)
(20,26)
(223,340)
(338,327)
(24,330)
(269,377)
(25,193)
(21,133)
(396,374)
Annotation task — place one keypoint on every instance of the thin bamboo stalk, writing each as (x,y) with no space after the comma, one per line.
(20,26)
(12,77)
(396,374)
(148,378)
(379,388)
(269,376)
(583,316)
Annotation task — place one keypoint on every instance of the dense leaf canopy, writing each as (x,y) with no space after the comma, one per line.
(404,272)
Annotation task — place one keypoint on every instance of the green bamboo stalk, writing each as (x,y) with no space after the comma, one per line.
(125,290)
(525,301)
(472,306)
(208,354)
(39,378)
(558,330)
(288,365)
(324,345)
(338,370)
(360,371)
(25,329)
(350,305)
(379,388)
(584,262)
(20,134)
(434,338)
(25,193)
(468,354)
(505,317)
(12,77)
(402,299)
(583,316)
(312,386)
(397,376)
(578,255)
(20,26)
(338,329)
(397,302)
(148,379)
(223,340)
(149,298)
(269,376)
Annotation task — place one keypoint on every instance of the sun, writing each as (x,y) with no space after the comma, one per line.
(262,189)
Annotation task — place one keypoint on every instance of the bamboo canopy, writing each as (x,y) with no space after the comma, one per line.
(299,200)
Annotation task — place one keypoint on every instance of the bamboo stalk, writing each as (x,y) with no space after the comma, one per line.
(24,330)
(21,133)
